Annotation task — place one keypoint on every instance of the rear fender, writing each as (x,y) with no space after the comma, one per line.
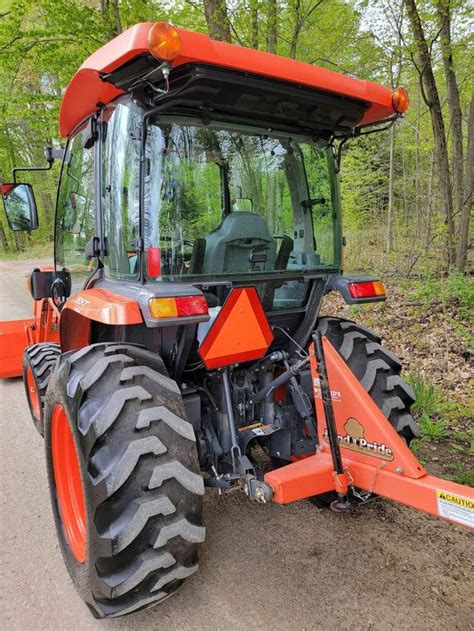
(94,305)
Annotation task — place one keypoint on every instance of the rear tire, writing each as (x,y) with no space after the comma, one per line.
(139,472)
(39,361)
(378,370)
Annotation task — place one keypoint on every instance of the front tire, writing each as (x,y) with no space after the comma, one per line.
(131,457)
(39,361)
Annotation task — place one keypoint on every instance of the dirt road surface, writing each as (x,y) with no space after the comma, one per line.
(272,567)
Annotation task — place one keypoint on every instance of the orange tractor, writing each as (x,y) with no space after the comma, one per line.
(177,343)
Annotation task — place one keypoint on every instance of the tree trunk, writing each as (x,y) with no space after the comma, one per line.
(118,19)
(18,242)
(430,202)
(217,20)
(454,104)
(3,239)
(463,244)
(272,31)
(254,23)
(431,97)
(391,179)
(296,29)
(417,171)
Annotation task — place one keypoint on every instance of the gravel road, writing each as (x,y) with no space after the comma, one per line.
(272,567)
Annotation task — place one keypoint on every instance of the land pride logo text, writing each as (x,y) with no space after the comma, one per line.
(355,441)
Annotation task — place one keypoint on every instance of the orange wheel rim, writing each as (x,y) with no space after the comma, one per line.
(68,482)
(33,394)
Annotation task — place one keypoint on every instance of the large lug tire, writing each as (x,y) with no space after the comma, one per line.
(378,370)
(124,477)
(39,361)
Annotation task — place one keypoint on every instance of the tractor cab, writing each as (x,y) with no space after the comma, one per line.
(205,165)
(192,167)
(216,203)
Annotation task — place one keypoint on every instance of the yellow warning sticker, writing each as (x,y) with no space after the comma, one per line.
(455,507)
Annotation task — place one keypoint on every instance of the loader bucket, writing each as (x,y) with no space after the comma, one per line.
(14,338)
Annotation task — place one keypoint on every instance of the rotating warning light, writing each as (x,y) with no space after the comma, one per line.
(164,42)
(400,100)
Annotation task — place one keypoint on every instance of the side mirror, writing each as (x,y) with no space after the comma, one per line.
(20,207)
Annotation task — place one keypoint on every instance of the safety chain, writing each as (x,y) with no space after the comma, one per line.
(365,495)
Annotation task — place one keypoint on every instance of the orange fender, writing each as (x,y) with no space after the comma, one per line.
(98,305)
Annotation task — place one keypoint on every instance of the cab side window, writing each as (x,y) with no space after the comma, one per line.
(75,216)
(121,188)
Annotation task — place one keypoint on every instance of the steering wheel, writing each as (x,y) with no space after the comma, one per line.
(179,259)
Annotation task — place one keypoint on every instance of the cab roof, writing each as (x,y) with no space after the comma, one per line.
(89,89)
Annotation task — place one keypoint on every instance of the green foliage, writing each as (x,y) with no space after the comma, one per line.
(427,397)
(461,474)
(456,287)
(427,405)
(432,430)
(466,437)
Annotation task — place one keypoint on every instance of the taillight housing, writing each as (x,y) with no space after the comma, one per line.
(367,289)
(178,307)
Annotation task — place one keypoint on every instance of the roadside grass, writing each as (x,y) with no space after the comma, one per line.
(35,251)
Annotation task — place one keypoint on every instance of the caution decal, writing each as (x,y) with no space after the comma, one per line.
(455,508)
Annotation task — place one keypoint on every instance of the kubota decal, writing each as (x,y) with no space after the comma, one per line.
(355,441)
(81,301)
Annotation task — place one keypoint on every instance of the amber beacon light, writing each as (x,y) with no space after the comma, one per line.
(164,42)
(400,100)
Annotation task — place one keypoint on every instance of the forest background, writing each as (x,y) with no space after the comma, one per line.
(407,193)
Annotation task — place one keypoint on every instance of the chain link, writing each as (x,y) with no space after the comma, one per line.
(365,495)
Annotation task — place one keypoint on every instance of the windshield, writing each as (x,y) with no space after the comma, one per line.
(221,202)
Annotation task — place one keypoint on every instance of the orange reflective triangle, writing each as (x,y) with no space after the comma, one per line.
(240,331)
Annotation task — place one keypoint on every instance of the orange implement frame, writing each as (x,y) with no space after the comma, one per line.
(16,335)
(13,340)
(375,458)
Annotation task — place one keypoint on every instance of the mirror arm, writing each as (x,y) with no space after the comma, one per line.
(50,154)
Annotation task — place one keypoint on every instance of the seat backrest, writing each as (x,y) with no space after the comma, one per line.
(229,248)
(197,256)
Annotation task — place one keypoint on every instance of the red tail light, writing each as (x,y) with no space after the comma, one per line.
(367,289)
(178,307)
(191,305)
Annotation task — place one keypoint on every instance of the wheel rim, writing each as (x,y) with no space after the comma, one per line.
(33,394)
(68,482)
